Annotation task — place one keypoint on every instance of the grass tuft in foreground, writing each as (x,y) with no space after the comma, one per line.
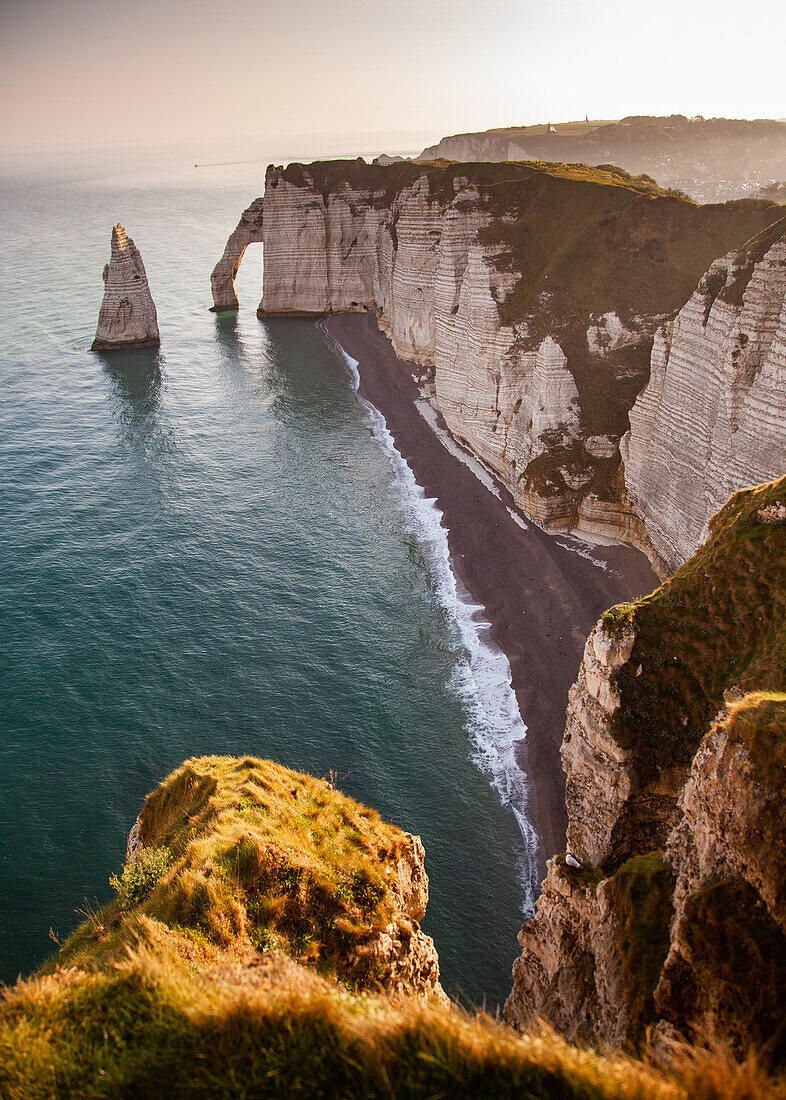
(149,1026)
(217,972)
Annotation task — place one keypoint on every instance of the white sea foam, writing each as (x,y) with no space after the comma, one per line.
(472,463)
(582,548)
(482,677)
(518,520)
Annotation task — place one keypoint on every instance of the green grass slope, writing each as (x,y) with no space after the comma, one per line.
(717,625)
(173,991)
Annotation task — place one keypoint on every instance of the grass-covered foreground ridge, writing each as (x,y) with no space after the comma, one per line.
(226,967)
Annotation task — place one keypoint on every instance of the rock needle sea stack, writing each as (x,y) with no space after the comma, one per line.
(128,314)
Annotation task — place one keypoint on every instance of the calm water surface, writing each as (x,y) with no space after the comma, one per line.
(206,550)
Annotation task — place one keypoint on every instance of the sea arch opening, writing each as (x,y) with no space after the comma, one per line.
(225,274)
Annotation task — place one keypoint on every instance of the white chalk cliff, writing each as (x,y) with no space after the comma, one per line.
(713,417)
(416,259)
(541,391)
(128,314)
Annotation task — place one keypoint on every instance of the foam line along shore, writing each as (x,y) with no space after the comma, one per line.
(540,597)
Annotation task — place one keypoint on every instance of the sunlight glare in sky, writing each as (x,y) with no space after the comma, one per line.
(169,70)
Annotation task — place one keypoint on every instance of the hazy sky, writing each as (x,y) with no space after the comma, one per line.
(182,70)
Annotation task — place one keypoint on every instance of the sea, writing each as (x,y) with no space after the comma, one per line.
(216,548)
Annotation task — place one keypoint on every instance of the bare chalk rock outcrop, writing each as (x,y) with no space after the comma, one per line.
(247,231)
(713,417)
(128,314)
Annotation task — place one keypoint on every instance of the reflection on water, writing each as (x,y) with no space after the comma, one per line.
(137,393)
(228,336)
(137,375)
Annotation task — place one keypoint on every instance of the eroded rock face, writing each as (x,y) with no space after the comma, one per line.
(572,971)
(416,259)
(401,956)
(730,893)
(713,417)
(128,315)
(675,916)
(600,776)
(247,231)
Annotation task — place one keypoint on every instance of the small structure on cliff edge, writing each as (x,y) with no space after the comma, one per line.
(128,314)
(247,231)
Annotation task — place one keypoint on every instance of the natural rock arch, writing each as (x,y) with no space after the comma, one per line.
(247,231)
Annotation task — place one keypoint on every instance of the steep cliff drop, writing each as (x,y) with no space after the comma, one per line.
(247,231)
(672,911)
(530,293)
(265,941)
(712,418)
(128,314)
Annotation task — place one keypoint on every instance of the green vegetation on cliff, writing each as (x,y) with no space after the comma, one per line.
(597,258)
(717,625)
(640,895)
(171,991)
(245,853)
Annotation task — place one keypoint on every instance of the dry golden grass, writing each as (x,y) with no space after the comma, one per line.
(165,993)
(256,856)
(151,1026)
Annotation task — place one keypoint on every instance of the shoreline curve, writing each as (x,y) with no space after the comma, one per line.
(542,593)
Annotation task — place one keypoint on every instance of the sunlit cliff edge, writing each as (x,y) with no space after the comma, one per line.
(265,941)
(674,753)
(537,295)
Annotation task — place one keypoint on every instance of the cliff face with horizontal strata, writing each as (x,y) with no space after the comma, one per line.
(532,292)
(674,755)
(128,314)
(712,418)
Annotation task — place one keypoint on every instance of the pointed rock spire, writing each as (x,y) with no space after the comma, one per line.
(128,314)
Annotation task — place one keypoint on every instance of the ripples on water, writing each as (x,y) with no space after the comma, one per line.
(206,550)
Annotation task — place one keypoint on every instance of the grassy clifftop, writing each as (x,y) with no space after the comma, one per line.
(223,968)
(718,625)
(244,855)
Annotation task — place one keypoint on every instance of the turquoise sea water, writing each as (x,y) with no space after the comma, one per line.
(208,550)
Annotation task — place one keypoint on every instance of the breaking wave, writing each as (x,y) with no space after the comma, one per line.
(481,677)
